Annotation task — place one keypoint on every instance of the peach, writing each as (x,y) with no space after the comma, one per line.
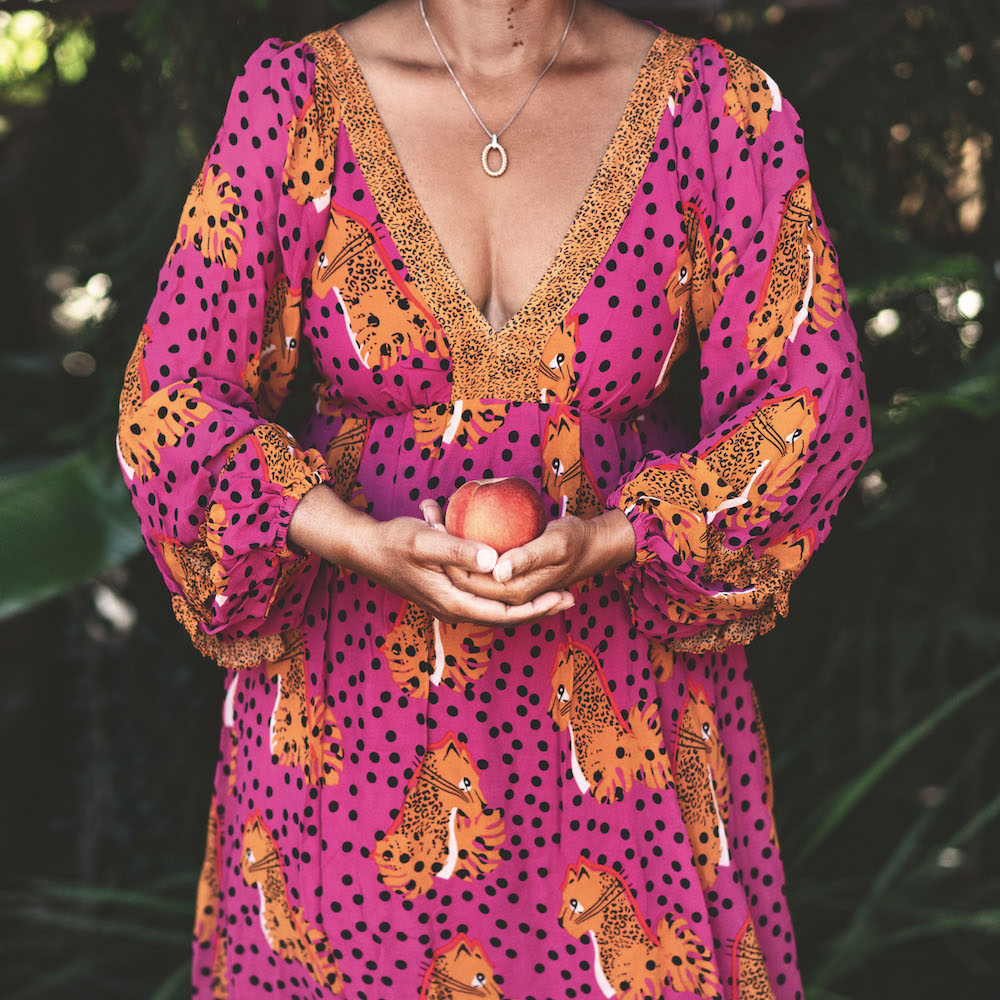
(504,513)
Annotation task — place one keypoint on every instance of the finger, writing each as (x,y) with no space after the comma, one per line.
(440,547)
(481,609)
(518,591)
(548,549)
(432,512)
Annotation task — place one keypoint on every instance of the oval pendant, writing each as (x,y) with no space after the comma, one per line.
(493,144)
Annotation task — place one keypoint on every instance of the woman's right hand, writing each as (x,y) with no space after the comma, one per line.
(406,555)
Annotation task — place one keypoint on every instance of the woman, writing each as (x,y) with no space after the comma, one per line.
(446,772)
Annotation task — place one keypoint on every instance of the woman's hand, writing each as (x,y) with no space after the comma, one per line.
(412,559)
(569,550)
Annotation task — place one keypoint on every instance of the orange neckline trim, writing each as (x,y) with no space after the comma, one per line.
(489,363)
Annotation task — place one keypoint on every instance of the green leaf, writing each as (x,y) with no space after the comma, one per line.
(174,986)
(61,524)
(92,925)
(42,985)
(834,813)
(93,895)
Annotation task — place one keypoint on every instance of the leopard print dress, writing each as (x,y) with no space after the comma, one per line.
(578,807)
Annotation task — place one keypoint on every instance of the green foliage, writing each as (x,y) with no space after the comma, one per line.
(879,691)
(63,524)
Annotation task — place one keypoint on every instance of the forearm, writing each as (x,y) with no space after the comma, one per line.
(324,524)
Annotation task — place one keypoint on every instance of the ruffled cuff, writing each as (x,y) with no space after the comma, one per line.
(246,535)
(732,597)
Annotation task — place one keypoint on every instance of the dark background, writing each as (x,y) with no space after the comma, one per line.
(880,692)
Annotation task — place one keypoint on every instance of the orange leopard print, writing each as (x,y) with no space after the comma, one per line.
(386,316)
(268,374)
(607,749)
(460,969)
(286,929)
(556,375)
(312,141)
(207,929)
(304,731)
(750,93)
(702,781)
(630,962)
(566,475)
(210,221)
(343,456)
(802,282)
(467,422)
(444,827)
(749,969)
(422,650)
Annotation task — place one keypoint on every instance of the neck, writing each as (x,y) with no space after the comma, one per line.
(494,38)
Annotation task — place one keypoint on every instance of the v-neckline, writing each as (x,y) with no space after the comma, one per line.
(374,120)
(592,231)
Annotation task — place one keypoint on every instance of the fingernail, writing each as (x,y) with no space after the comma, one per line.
(486,559)
(502,573)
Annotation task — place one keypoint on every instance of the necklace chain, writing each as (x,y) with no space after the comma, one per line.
(494,136)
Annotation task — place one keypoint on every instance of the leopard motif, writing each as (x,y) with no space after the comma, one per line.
(344,454)
(630,962)
(460,969)
(661,659)
(751,95)
(444,827)
(312,140)
(208,931)
(566,475)
(422,650)
(386,317)
(751,980)
(556,374)
(744,476)
(148,421)
(212,218)
(608,749)
(802,284)
(285,927)
(694,289)
(303,730)
(702,780)
(268,374)
(467,422)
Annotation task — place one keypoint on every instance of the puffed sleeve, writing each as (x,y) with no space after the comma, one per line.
(212,477)
(723,529)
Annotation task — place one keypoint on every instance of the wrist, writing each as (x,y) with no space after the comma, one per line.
(612,543)
(324,524)
(622,544)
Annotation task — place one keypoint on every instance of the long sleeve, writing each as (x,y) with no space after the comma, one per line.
(723,529)
(212,477)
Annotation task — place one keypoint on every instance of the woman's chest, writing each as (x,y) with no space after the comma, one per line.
(392,328)
(598,324)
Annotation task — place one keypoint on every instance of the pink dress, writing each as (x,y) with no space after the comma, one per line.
(579,807)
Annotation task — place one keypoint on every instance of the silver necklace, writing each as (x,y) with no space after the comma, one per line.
(494,136)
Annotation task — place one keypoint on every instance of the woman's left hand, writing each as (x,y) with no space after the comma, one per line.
(569,550)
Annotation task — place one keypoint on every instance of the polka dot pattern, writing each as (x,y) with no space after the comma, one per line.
(572,808)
